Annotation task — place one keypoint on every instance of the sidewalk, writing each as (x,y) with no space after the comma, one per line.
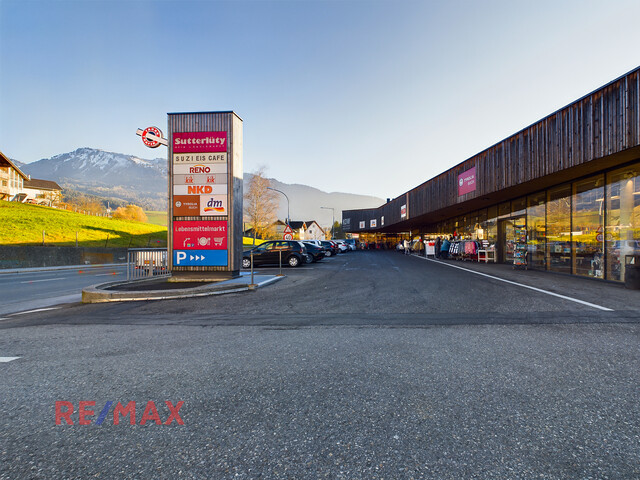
(611,295)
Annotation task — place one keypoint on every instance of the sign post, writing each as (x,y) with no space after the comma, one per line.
(288,233)
(205,195)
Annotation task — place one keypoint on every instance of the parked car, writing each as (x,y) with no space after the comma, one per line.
(351,243)
(342,246)
(314,252)
(294,253)
(331,246)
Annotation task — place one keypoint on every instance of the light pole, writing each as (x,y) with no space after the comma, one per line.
(285,196)
(333,216)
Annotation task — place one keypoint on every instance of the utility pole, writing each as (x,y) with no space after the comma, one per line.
(285,196)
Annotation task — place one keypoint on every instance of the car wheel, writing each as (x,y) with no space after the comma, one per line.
(328,254)
(309,258)
(246,263)
(293,261)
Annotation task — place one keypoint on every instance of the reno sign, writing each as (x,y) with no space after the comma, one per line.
(467,181)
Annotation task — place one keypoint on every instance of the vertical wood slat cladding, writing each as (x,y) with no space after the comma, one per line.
(602,123)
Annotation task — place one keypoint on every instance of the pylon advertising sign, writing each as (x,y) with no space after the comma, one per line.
(205,191)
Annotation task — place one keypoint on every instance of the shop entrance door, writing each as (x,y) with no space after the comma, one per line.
(507,238)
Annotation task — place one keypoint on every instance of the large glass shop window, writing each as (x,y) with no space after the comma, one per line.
(490,225)
(588,226)
(622,230)
(536,230)
(559,229)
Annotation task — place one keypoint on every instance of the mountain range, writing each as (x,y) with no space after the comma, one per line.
(127,178)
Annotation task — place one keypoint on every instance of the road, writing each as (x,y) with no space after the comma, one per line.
(369,365)
(37,289)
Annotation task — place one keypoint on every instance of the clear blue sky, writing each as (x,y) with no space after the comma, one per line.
(368,97)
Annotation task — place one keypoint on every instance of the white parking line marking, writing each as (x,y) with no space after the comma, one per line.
(593,305)
(45,280)
(7,359)
(36,310)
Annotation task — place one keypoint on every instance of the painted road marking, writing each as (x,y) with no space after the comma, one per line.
(34,311)
(7,359)
(45,280)
(105,274)
(593,305)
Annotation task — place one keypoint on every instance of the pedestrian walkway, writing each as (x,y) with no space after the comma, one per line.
(609,295)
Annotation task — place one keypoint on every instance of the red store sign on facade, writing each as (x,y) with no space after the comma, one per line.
(467,181)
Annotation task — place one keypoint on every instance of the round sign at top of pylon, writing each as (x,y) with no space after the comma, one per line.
(155,131)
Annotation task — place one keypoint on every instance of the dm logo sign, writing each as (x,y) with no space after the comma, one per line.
(213,205)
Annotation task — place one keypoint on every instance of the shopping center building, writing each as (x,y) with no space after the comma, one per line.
(568,187)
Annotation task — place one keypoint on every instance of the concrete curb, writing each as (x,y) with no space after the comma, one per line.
(99,294)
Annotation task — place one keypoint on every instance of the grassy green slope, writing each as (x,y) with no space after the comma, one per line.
(156,217)
(22,224)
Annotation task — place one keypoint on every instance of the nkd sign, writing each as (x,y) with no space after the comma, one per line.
(210,189)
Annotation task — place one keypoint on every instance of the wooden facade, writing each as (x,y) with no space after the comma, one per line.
(598,131)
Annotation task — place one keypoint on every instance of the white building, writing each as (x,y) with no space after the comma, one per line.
(11,180)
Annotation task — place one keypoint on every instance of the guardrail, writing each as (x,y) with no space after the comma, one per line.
(146,262)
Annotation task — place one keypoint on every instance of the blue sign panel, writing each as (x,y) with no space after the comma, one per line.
(200,258)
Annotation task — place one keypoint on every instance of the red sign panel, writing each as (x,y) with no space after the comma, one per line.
(467,181)
(199,235)
(199,142)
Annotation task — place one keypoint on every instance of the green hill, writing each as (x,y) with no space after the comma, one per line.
(156,217)
(22,224)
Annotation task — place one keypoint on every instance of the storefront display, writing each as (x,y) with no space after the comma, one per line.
(520,248)
(586,227)
(622,231)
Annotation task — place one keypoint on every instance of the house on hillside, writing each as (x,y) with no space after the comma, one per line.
(11,180)
(309,230)
(314,231)
(42,192)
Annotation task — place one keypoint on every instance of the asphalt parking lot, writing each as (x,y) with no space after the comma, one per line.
(366,365)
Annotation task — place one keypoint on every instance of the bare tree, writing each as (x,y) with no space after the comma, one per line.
(260,204)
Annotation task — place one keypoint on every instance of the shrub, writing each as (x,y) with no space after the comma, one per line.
(130,212)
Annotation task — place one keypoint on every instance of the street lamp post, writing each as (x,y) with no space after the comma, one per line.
(333,218)
(285,196)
